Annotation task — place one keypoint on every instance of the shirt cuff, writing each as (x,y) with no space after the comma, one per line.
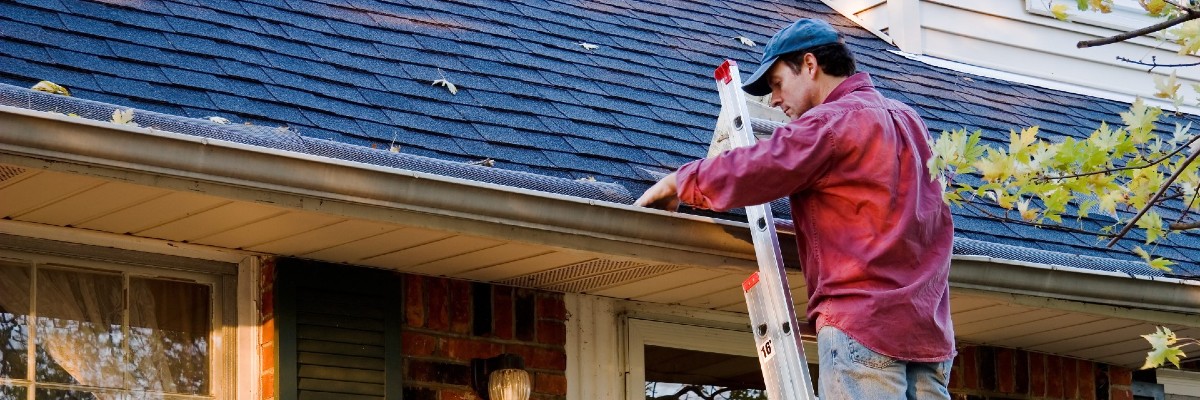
(687,187)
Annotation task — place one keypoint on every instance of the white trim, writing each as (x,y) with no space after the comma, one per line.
(644,332)
(124,242)
(904,25)
(1042,83)
(1185,383)
(593,364)
(248,365)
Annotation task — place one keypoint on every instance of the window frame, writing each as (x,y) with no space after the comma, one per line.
(218,276)
(642,332)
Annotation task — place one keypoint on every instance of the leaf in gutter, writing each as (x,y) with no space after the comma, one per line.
(746,41)
(1081,4)
(218,120)
(449,86)
(51,87)
(123,117)
(588,46)
(1059,11)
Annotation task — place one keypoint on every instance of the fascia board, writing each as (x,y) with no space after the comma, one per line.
(250,173)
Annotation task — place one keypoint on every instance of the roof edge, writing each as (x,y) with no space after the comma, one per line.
(152,157)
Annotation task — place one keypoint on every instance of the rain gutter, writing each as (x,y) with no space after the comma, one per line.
(357,190)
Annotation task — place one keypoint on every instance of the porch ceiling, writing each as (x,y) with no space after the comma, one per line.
(75,201)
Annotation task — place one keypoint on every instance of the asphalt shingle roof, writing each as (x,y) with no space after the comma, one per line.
(530,96)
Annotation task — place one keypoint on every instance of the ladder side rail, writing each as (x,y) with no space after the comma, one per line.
(769,299)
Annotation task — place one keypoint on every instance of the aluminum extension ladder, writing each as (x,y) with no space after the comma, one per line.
(768,297)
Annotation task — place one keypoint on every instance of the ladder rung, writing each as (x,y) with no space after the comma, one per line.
(764,127)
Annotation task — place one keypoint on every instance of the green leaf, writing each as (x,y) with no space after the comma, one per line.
(1081,4)
(1162,351)
(1152,223)
(1158,263)
(1140,120)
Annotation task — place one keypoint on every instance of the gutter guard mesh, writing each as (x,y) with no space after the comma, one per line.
(964,246)
(288,140)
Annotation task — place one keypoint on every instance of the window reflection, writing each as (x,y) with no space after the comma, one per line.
(102,336)
(168,332)
(14,322)
(79,338)
(13,393)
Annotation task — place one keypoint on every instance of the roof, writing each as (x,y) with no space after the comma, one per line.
(530,96)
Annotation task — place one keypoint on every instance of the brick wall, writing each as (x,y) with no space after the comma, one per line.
(266,331)
(990,373)
(449,322)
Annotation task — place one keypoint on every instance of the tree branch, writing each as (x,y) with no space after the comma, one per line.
(1150,203)
(1180,226)
(1008,220)
(1126,168)
(1190,15)
(1154,63)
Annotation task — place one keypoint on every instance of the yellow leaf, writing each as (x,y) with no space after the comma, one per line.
(51,87)
(1158,263)
(1187,36)
(1162,351)
(1059,11)
(123,117)
(1027,213)
(1154,7)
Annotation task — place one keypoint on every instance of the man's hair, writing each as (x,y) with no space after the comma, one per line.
(835,59)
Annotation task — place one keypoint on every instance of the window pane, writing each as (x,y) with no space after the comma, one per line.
(169,323)
(673,373)
(14,321)
(63,394)
(13,392)
(79,339)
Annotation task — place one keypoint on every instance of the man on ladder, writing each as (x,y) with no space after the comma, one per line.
(873,233)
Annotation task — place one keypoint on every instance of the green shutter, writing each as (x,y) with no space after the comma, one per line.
(338,332)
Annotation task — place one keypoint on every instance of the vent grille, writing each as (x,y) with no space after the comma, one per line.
(614,279)
(8,172)
(590,275)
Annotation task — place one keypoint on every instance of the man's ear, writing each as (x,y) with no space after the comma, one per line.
(810,62)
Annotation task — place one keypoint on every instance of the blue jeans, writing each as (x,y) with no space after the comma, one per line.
(851,371)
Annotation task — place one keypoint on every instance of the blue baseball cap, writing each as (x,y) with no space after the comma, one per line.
(800,35)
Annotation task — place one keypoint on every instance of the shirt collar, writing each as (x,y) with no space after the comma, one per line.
(855,82)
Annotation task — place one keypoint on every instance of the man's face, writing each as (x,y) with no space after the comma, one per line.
(792,90)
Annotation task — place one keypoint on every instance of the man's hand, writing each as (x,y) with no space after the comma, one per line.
(661,196)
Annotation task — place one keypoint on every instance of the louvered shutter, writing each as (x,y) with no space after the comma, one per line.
(338,332)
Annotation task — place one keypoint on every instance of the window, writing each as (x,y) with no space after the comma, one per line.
(671,361)
(88,330)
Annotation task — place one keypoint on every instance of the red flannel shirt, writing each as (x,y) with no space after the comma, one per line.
(873,234)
